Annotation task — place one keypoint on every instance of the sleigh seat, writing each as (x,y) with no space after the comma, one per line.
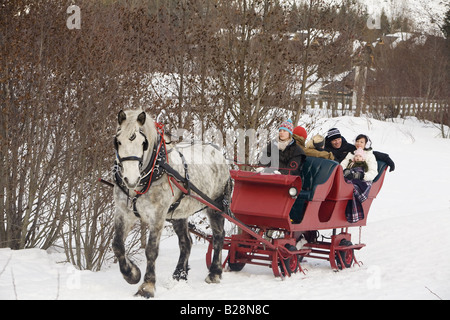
(317,179)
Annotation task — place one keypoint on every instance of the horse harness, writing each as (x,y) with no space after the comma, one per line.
(156,168)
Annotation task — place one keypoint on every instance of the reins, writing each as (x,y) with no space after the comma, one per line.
(162,142)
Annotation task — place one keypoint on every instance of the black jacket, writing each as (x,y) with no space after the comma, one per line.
(341,153)
(291,158)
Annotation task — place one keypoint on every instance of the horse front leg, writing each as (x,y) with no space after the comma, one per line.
(217,225)
(185,243)
(147,288)
(129,270)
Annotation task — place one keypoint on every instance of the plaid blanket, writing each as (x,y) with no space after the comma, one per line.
(354,210)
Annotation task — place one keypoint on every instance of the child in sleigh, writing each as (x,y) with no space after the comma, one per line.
(357,166)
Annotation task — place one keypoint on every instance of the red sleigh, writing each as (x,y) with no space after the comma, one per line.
(293,207)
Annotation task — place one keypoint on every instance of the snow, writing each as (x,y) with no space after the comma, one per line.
(426,15)
(406,256)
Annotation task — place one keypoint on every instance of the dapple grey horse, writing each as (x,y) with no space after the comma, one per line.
(143,191)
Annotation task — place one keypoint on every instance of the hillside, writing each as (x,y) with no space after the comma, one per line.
(425,14)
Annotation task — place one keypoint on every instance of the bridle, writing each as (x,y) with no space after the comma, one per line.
(152,172)
(131,158)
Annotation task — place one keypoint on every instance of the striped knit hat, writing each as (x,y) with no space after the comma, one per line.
(333,133)
(287,125)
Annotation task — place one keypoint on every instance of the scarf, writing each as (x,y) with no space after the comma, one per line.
(283,144)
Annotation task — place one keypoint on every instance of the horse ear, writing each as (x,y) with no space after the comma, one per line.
(121,117)
(141,118)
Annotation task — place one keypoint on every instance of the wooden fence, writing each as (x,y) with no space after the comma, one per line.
(383,108)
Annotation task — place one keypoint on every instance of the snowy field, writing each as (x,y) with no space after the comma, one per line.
(407,237)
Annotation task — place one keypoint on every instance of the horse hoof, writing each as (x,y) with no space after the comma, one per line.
(133,275)
(213,278)
(180,275)
(147,290)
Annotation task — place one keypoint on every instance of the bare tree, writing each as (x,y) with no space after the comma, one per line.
(327,32)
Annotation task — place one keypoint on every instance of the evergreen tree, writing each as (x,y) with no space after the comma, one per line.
(385,24)
(446,26)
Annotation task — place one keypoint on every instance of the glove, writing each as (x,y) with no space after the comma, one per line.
(391,164)
(259,169)
(385,157)
(358,175)
(348,174)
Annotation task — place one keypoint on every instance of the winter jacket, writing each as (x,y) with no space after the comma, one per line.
(310,151)
(372,166)
(292,158)
(341,153)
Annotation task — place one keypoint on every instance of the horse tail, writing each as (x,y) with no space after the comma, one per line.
(227,193)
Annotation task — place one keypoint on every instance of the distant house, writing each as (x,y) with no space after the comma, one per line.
(345,86)
(336,88)
(394,39)
(349,80)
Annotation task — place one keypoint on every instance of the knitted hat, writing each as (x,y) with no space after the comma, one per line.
(333,133)
(360,152)
(287,125)
(300,131)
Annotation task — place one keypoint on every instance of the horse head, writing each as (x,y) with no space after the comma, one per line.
(134,140)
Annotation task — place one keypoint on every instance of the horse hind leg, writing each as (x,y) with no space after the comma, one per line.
(217,225)
(185,243)
(129,270)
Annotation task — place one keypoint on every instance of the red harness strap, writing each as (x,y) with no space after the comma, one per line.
(160,130)
(198,198)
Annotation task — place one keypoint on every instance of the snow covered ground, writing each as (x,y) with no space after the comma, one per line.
(407,237)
